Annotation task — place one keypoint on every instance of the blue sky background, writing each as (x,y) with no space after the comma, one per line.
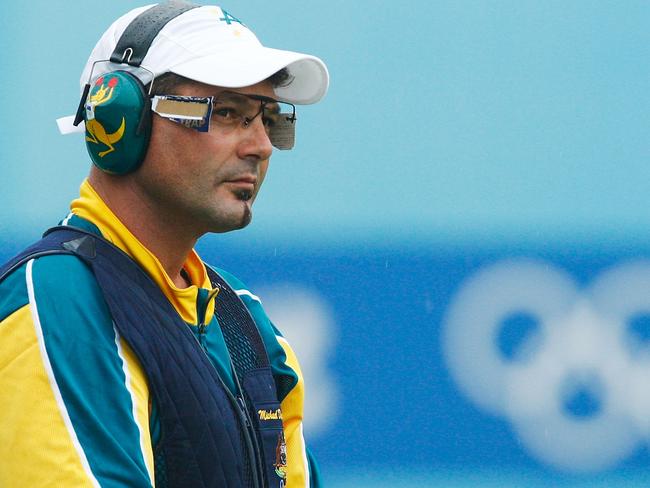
(446,121)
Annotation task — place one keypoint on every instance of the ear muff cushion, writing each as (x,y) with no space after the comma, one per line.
(118,122)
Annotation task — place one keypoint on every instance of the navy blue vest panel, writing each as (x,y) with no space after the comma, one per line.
(251,363)
(268,424)
(209,438)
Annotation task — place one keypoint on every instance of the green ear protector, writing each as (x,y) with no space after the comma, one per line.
(116,108)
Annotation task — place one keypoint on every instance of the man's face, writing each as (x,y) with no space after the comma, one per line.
(205,182)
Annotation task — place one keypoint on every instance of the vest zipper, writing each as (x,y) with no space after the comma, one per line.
(244,418)
(254,453)
(257,452)
(242,407)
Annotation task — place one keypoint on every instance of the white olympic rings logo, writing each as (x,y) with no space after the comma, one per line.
(582,336)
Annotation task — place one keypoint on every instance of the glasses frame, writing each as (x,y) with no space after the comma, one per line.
(282,137)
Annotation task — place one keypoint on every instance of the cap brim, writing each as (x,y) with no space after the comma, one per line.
(310,78)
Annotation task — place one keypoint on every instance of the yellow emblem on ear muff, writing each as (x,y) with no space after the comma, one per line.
(96,132)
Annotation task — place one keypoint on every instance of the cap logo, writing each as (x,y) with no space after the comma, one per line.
(95,131)
(229,19)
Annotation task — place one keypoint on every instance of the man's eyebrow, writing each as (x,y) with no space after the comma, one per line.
(273,107)
(249,96)
(230,96)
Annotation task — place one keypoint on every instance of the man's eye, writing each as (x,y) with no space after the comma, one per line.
(269,121)
(225,113)
(271,118)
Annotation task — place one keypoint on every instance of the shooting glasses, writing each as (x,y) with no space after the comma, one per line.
(229,111)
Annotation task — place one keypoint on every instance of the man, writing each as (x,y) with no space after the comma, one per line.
(126,361)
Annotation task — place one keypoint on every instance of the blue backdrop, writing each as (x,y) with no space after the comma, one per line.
(457,246)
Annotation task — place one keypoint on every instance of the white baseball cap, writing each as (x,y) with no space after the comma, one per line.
(209,45)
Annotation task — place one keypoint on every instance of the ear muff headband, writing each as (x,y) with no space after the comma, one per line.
(117,108)
(136,39)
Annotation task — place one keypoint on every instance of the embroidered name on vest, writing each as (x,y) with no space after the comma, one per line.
(270,414)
